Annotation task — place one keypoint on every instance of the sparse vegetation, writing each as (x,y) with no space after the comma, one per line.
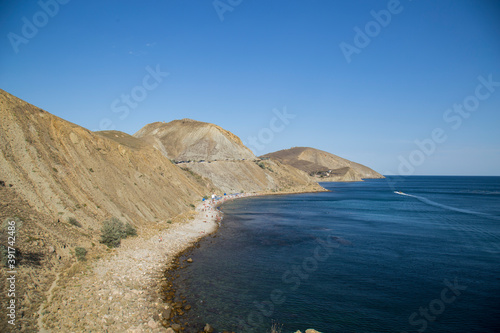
(73,221)
(91,170)
(32,239)
(114,230)
(194,174)
(55,170)
(81,253)
(192,206)
(262,165)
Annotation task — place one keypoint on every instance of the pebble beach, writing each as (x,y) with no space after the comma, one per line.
(121,292)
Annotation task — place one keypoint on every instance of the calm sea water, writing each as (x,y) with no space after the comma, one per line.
(360,258)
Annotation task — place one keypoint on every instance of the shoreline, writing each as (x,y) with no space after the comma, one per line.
(174,298)
(121,292)
(174,305)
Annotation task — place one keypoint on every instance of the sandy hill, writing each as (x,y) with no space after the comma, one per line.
(323,165)
(186,139)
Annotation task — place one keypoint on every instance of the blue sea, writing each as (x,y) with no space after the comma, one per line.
(360,258)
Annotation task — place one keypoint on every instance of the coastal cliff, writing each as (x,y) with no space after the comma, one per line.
(60,182)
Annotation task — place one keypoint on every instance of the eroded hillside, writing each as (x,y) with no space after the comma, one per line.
(54,170)
(186,139)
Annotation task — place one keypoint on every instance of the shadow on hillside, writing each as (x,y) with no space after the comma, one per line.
(30,258)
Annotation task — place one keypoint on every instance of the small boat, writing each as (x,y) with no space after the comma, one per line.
(399,192)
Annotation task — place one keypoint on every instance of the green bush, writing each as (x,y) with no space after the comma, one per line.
(80,253)
(114,230)
(130,230)
(73,221)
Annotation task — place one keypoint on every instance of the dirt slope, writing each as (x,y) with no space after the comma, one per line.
(42,248)
(60,167)
(124,139)
(186,139)
(59,170)
(323,165)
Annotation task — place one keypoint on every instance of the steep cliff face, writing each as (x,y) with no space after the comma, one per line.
(323,165)
(187,139)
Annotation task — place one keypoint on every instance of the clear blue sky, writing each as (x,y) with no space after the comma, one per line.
(363,96)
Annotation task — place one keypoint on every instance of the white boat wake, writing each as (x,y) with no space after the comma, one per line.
(471,232)
(459,210)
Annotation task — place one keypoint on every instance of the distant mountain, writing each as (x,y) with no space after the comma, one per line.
(323,165)
(186,139)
